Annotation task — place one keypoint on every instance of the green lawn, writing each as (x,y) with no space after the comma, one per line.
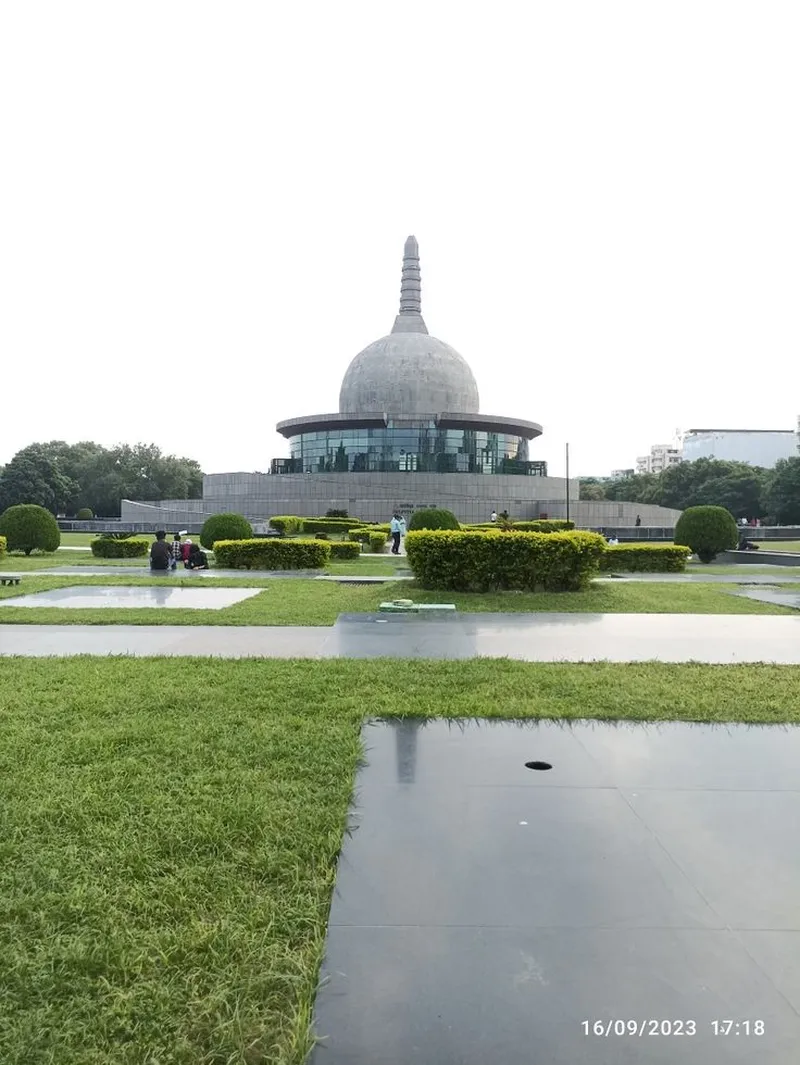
(366,565)
(170,831)
(310,602)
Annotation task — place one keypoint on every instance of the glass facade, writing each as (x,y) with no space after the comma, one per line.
(422,448)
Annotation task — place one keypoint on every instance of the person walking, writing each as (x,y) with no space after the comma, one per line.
(396,526)
(638,521)
(494,516)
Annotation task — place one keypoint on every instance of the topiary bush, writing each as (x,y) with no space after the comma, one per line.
(272,554)
(707,531)
(3,545)
(133,547)
(84,514)
(28,527)
(345,550)
(478,561)
(225,527)
(336,514)
(644,558)
(433,518)
(377,542)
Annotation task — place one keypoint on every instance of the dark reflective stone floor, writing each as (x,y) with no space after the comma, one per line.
(487,913)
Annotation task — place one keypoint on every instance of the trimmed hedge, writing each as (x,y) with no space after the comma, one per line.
(645,558)
(377,541)
(130,548)
(272,554)
(707,531)
(84,514)
(3,545)
(224,527)
(543,526)
(345,550)
(28,527)
(556,525)
(328,525)
(286,524)
(433,518)
(359,536)
(524,561)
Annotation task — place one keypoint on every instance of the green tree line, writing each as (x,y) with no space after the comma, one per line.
(67,477)
(746,491)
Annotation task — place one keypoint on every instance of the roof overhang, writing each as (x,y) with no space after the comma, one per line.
(487,423)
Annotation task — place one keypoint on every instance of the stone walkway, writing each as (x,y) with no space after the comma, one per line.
(709,638)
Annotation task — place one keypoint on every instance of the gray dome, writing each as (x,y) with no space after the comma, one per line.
(408,374)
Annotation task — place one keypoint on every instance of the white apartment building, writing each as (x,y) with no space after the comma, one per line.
(661,457)
(759,447)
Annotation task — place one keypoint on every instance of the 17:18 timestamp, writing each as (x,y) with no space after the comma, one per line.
(737,1027)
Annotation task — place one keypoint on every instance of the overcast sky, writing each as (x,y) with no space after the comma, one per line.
(203,209)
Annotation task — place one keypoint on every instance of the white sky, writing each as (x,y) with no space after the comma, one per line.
(203,209)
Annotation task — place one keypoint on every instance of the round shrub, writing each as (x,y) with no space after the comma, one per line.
(84,514)
(27,528)
(225,527)
(707,531)
(434,518)
(107,547)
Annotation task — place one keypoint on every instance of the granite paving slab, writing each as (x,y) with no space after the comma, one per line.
(776,596)
(717,638)
(486,912)
(169,597)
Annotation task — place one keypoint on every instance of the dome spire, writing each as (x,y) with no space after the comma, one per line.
(410,320)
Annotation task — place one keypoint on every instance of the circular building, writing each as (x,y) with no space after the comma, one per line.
(408,434)
(409,404)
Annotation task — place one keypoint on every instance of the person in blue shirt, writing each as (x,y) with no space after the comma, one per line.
(396,527)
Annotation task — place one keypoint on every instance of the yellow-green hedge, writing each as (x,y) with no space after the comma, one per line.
(272,554)
(345,550)
(645,558)
(3,545)
(133,547)
(483,561)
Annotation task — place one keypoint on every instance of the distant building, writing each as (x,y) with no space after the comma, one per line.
(619,475)
(759,447)
(661,457)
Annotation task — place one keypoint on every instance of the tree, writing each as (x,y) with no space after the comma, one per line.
(783,492)
(591,489)
(28,527)
(707,531)
(99,478)
(32,476)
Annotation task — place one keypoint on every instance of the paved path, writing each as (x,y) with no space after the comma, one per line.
(778,577)
(712,638)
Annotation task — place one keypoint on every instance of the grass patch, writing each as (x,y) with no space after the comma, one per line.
(312,602)
(170,830)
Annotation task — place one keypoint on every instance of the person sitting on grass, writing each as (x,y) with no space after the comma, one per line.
(196,559)
(160,552)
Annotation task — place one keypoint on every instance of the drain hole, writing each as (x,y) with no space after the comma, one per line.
(538,765)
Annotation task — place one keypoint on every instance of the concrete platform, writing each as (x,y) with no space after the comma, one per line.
(712,638)
(95,596)
(484,912)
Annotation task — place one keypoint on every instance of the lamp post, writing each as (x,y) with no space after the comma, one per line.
(566,483)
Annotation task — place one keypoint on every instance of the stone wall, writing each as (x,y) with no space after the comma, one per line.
(373,497)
